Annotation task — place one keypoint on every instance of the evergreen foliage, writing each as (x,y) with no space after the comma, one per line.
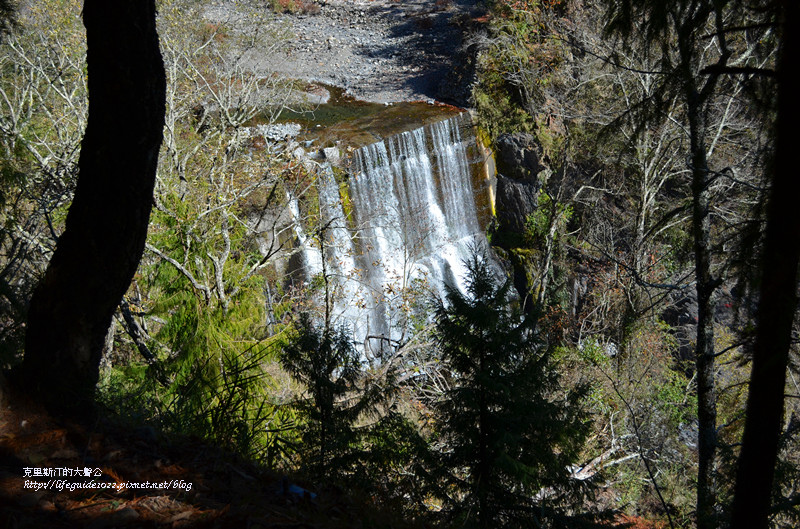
(350,430)
(324,360)
(509,439)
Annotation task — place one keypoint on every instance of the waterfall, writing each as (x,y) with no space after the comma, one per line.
(411,220)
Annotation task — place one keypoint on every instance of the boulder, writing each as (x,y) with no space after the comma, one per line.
(332,155)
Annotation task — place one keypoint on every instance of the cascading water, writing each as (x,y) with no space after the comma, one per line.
(409,221)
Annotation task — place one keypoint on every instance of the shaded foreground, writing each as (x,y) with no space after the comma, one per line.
(210,488)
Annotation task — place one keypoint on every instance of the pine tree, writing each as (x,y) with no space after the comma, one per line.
(324,360)
(506,438)
(352,433)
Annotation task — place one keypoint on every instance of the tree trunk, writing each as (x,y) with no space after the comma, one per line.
(482,481)
(705,285)
(776,308)
(704,353)
(106,227)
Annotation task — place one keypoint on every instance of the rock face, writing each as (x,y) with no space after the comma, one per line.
(682,314)
(456,86)
(521,168)
(516,200)
(519,156)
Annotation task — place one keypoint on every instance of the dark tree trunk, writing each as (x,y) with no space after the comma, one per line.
(696,98)
(777,304)
(704,353)
(705,285)
(482,478)
(105,231)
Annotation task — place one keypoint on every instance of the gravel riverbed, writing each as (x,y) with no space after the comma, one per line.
(382,51)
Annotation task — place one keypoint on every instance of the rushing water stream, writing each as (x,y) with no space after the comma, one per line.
(409,220)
